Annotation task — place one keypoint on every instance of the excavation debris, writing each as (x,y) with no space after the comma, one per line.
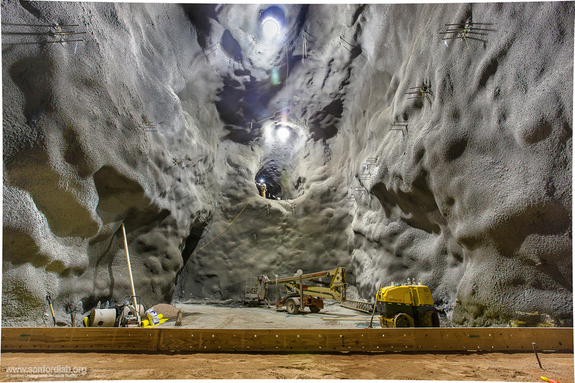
(168,311)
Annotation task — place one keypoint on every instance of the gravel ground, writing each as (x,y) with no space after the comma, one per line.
(263,317)
(458,367)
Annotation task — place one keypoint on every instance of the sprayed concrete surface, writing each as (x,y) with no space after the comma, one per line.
(166,114)
(458,367)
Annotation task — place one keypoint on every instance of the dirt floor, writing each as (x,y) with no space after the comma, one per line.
(475,367)
(108,366)
(263,317)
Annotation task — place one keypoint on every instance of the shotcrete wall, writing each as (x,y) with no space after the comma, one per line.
(159,120)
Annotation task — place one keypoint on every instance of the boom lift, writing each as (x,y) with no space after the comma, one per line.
(330,284)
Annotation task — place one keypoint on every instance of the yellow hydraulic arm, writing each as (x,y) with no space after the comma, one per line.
(336,290)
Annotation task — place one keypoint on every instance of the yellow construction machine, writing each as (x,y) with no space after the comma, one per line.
(406,306)
(329,284)
(401,305)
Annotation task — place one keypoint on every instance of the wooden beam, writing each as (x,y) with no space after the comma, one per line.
(169,340)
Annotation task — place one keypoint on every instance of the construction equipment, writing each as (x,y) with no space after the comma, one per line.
(255,291)
(406,306)
(330,284)
(124,315)
(362,306)
(179,318)
(72,309)
(533,344)
(49,299)
(401,305)
(135,310)
(128,315)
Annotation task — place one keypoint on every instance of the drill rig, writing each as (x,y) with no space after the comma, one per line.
(329,284)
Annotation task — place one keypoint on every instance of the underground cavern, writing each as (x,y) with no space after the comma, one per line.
(422,141)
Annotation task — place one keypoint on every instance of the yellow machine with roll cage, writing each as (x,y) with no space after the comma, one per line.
(406,305)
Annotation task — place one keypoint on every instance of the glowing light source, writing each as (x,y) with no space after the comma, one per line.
(270,27)
(283,133)
(262,181)
(275,76)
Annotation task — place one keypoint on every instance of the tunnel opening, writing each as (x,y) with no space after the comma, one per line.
(268,181)
(193,239)
(282,141)
(198,231)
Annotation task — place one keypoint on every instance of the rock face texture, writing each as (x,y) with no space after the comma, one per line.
(406,155)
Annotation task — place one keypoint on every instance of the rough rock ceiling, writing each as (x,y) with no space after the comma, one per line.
(296,78)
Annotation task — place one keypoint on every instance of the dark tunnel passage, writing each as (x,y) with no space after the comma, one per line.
(268,181)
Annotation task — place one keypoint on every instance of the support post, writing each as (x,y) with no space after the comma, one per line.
(130,273)
(374,307)
(277,292)
(301,305)
(49,299)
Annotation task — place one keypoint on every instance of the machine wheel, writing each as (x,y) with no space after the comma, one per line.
(384,322)
(430,319)
(435,319)
(292,307)
(314,309)
(403,320)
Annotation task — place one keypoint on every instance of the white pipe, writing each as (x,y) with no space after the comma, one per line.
(130,273)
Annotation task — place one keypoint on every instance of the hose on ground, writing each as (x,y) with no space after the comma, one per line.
(210,226)
(225,227)
(374,307)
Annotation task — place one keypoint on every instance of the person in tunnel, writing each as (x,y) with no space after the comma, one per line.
(262,188)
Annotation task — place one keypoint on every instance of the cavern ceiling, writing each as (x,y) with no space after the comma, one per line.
(422,141)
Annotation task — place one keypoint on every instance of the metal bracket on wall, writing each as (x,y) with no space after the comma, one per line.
(360,191)
(346,44)
(365,176)
(422,91)
(366,166)
(465,31)
(343,42)
(401,125)
(148,126)
(55,33)
(214,48)
(370,162)
(304,47)
(180,164)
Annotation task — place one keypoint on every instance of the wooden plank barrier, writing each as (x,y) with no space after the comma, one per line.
(171,340)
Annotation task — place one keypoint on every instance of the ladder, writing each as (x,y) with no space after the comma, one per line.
(362,306)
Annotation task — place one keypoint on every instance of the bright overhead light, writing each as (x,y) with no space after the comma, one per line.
(272,20)
(283,133)
(262,181)
(270,27)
